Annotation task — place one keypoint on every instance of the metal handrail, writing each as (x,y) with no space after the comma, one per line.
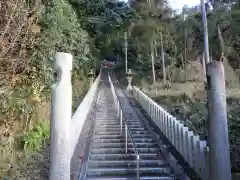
(127,131)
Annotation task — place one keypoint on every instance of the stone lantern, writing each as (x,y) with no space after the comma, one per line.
(91,77)
(129,78)
(237,71)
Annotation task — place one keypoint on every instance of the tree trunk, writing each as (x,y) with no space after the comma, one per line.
(155,49)
(221,40)
(163,62)
(185,54)
(184,66)
(206,44)
(204,67)
(153,62)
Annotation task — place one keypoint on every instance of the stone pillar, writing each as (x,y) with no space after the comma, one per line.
(237,71)
(129,78)
(220,168)
(91,77)
(60,147)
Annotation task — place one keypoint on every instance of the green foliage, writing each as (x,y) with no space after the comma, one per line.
(105,22)
(26,84)
(35,139)
(61,32)
(79,92)
(193,113)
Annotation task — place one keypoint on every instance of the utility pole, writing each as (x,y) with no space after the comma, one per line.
(219,156)
(185,49)
(206,44)
(126,46)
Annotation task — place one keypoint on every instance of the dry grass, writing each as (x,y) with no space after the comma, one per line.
(175,89)
(17,20)
(18,23)
(24,84)
(189,88)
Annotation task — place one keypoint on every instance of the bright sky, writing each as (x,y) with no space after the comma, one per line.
(178,4)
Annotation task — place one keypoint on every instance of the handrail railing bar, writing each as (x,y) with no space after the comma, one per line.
(138,174)
(126,138)
(135,149)
(127,131)
(130,134)
(124,117)
(121,120)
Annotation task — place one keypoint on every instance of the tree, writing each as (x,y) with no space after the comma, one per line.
(153,17)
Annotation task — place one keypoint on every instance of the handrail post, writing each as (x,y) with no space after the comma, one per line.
(220,168)
(121,117)
(118,108)
(60,147)
(138,168)
(126,138)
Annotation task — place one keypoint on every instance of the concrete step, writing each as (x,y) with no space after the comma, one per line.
(119,132)
(122,145)
(139,132)
(133,121)
(140,135)
(120,136)
(133,177)
(127,163)
(108,133)
(107,126)
(123,156)
(117,129)
(122,140)
(122,150)
(118,124)
(105,120)
(103,115)
(118,171)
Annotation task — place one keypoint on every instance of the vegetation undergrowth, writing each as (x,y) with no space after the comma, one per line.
(191,109)
(35,139)
(26,75)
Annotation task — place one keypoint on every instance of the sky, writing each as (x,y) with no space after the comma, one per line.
(178,4)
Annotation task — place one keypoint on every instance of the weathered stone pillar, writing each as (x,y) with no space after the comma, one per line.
(129,78)
(60,147)
(237,71)
(220,168)
(91,77)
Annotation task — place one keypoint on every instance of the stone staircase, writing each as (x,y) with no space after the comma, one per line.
(108,158)
(119,140)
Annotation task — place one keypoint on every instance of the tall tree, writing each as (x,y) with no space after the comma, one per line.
(153,16)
